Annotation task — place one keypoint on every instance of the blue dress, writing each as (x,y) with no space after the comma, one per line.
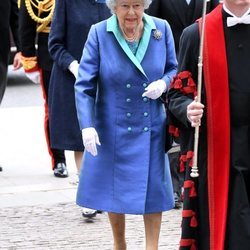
(130,173)
(69,30)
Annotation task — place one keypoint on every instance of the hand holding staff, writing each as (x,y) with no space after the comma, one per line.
(194,170)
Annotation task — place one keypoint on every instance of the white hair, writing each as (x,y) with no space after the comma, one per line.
(112,4)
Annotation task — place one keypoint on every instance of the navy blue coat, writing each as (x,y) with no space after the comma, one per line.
(69,29)
(130,173)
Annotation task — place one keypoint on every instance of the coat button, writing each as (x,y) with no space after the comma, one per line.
(129,114)
(145,99)
(129,129)
(145,114)
(128,100)
(144,85)
(128,86)
(145,129)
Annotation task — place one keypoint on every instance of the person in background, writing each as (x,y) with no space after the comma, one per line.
(179,14)
(8,20)
(216,208)
(69,29)
(127,64)
(34,27)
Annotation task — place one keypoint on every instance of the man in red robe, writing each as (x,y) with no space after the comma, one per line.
(216,211)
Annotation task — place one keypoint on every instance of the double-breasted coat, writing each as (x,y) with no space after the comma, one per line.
(130,173)
(69,29)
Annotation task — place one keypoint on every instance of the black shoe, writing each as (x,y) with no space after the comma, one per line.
(1,169)
(60,170)
(177,201)
(88,213)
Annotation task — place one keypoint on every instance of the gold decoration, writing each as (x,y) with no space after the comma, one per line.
(29,63)
(19,4)
(43,6)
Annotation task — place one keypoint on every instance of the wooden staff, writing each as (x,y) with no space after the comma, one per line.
(194,170)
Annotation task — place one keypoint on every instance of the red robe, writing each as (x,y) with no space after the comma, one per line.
(218,132)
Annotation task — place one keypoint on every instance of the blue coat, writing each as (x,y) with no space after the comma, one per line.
(129,174)
(69,29)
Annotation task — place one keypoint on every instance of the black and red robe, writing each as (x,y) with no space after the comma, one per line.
(216,210)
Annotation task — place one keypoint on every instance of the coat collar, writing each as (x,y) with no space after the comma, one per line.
(149,25)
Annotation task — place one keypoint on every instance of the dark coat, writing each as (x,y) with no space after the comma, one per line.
(8,19)
(69,30)
(179,14)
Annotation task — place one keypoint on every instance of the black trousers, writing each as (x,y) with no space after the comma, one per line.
(3,79)
(177,177)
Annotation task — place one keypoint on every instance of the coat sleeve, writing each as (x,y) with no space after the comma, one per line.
(171,63)
(27,32)
(86,82)
(57,37)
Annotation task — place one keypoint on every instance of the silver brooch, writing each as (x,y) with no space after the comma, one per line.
(157,34)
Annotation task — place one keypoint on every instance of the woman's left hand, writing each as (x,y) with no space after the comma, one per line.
(155,89)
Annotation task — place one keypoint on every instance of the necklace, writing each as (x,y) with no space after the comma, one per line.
(136,35)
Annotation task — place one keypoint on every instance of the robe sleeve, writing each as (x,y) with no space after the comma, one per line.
(183,89)
(183,86)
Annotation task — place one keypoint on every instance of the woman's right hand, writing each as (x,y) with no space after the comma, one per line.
(90,139)
(195,112)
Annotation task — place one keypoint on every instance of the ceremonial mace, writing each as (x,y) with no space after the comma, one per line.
(194,170)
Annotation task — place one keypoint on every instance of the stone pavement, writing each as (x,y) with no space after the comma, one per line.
(37,210)
(60,226)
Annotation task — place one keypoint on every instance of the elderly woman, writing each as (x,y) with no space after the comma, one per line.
(128,62)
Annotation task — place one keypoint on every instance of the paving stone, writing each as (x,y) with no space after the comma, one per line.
(61,227)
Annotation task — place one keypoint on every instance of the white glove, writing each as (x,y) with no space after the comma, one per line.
(73,68)
(90,139)
(155,89)
(34,76)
